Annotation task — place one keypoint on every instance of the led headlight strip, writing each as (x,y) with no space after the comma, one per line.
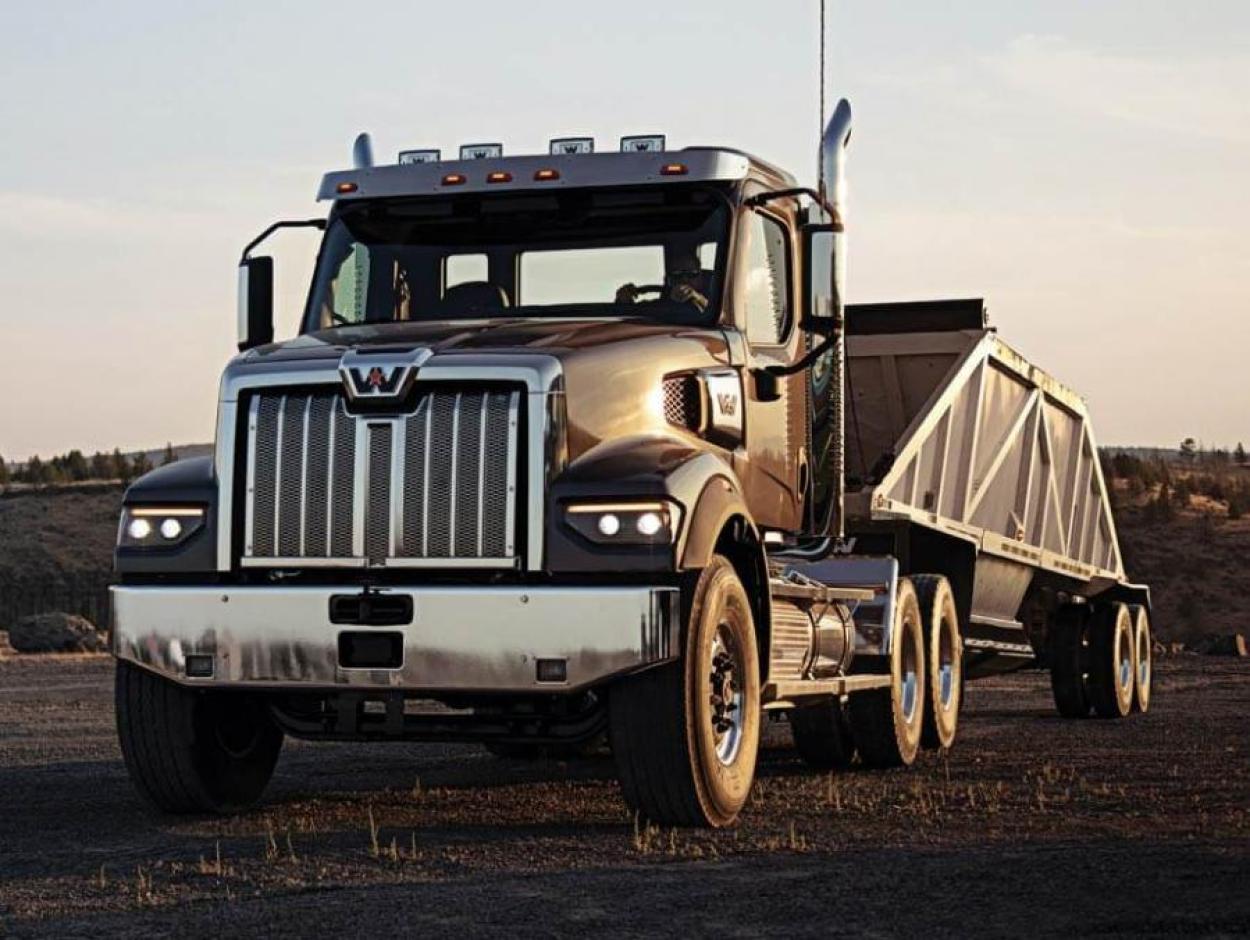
(153,526)
(653,522)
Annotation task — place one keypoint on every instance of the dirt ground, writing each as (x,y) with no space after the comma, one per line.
(1032,825)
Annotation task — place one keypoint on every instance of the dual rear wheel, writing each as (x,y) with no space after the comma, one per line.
(1101,660)
(888,726)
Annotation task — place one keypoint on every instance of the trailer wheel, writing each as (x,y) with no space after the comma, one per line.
(1066,652)
(822,735)
(685,735)
(887,722)
(191,750)
(944,659)
(1110,681)
(1143,658)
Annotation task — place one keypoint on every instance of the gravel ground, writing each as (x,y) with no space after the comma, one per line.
(1031,826)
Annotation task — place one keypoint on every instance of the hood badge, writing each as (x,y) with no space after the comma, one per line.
(380,375)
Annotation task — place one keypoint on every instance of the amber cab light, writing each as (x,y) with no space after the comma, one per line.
(498,176)
(673,169)
(345,188)
(454,179)
(546,175)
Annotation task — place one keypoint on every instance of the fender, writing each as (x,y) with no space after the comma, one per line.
(700,482)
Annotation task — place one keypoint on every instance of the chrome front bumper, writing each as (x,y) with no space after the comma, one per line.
(461,639)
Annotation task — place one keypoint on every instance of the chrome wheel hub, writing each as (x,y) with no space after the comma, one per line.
(725,682)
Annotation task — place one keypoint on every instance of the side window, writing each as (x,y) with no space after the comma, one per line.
(351,287)
(766,280)
(459,269)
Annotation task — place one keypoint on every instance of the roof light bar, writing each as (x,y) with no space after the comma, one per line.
(569,146)
(419,156)
(480,151)
(647,143)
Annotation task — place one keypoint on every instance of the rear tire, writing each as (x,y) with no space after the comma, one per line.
(1143,658)
(1110,681)
(887,722)
(1066,652)
(822,735)
(192,750)
(685,736)
(944,660)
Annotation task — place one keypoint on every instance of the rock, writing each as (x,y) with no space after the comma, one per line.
(56,633)
(1176,647)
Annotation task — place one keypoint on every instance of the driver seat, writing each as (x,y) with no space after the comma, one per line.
(474,298)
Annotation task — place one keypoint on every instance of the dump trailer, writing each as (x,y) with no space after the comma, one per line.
(584,447)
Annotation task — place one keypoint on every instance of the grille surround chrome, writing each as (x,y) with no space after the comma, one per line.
(366,456)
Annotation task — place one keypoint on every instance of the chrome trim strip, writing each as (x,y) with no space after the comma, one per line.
(360,490)
(455,460)
(481,464)
(277,475)
(303,562)
(303,483)
(399,446)
(253,412)
(337,403)
(459,562)
(425,484)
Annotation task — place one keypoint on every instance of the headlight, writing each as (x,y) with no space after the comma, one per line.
(654,522)
(158,526)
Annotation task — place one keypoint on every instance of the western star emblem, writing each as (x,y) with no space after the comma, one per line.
(380,375)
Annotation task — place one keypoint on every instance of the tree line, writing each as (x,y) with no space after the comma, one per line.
(76,467)
(1163,489)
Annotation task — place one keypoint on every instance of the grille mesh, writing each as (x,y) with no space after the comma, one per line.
(438,483)
(683,405)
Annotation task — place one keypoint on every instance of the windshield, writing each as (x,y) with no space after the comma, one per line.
(655,252)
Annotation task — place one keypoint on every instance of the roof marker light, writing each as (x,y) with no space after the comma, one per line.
(498,176)
(674,169)
(419,156)
(546,174)
(569,146)
(648,143)
(345,188)
(454,179)
(480,151)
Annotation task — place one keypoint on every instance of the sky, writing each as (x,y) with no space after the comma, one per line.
(1082,164)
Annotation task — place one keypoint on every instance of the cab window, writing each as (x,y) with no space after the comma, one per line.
(765,290)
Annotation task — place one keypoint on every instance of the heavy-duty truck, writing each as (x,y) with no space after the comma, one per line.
(585,445)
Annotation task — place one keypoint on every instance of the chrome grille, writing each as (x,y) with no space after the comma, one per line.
(433,487)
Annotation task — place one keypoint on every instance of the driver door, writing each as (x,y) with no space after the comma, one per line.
(771,464)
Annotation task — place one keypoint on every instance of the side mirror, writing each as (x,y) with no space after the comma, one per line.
(255,302)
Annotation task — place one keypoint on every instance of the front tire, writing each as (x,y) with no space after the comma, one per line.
(685,736)
(192,750)
(887,722)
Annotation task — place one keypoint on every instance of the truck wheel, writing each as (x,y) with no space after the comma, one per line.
(193,751)
(1066,652)
(944,659)
(822,735)
(887,722)
(1110,681)
(685,735)
(1143,658)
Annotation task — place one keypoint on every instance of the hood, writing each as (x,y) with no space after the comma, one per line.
(560,337)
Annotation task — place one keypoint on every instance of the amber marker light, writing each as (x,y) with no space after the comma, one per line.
(454,179)
(673,169)
(498,176)
(345,188)
(546,175)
